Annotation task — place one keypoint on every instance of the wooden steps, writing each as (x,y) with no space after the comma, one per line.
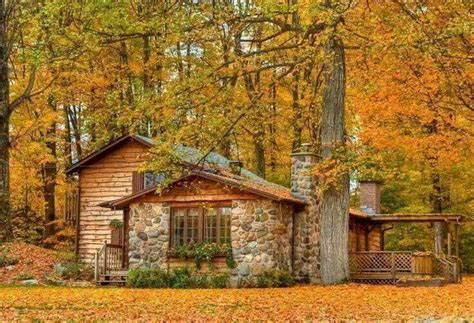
(118,277)
(414,282)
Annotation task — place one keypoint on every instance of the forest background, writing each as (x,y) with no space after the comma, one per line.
(244,78)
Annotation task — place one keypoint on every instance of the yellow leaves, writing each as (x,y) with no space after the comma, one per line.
(351,301)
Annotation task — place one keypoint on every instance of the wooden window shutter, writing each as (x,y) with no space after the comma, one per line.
(138,182)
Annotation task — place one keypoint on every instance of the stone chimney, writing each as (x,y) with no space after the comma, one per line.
(370,197)
(305,251)
(302,182)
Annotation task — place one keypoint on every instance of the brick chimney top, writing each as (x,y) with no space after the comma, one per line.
(370,196)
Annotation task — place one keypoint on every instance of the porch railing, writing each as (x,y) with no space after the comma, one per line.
(109,260)
(448,267)
(383,264)
(392,265)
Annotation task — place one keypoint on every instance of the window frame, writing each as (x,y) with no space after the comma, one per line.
(201,222)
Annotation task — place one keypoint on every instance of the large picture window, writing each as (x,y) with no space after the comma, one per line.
(200,224)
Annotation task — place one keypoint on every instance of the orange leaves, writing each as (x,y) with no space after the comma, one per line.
(33,260)
(351,301)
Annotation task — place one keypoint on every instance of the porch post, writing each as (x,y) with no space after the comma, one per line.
(449,239)
(126,217)
(77,208)
(456,239)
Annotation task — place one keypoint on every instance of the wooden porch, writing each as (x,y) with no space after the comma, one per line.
(374,265)
(393,267)
(110,265)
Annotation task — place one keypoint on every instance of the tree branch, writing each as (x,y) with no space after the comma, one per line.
(28,92)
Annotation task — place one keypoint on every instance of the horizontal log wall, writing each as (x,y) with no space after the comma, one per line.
(360,241)
(103,180)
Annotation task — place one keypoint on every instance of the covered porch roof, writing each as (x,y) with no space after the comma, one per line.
(416,217)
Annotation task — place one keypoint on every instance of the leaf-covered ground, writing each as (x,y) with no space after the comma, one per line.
(299,303)
(32,261)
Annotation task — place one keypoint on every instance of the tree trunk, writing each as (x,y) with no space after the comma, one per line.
(49,176)
(67,136)
(272,129)
(5,216)
(335,199)
(75,118)
(259,153)
(437,206)
(297,112)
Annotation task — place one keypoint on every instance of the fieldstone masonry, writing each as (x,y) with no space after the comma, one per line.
(307,230)
(261,232)
(149,235)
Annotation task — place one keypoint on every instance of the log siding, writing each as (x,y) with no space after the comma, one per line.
(102,180)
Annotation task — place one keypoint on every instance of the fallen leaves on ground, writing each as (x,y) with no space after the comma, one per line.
(351,301)
(33,261)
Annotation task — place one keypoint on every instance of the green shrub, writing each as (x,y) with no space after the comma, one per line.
(184,252)
(7,260)
(24,276)
(285,279)
(74,271)
(115,223)
(184,277)
(218,280)
(229,258)
(148,278)
(205,252)
(275,278)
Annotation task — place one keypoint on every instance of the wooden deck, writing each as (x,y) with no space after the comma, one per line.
(389,267)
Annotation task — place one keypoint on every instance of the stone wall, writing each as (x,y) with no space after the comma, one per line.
(307,230)
(149,235)
(261,237)
(261,233)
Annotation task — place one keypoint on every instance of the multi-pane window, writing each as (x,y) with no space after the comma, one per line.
(199,224)
(224,225)
(210,225)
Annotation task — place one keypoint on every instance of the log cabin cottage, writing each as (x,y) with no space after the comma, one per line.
(122,222)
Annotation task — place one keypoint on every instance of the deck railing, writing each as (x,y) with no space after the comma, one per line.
(448,267)
(108,260)
(389,266)
(383,264)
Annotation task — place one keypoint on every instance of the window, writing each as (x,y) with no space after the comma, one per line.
(141,181)
(198,224)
